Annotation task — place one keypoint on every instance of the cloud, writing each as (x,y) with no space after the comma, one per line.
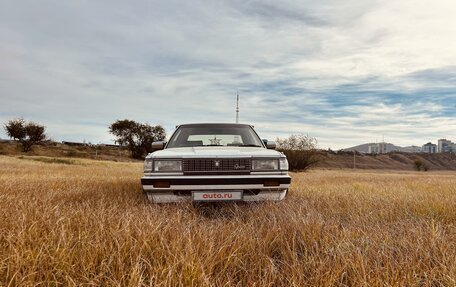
(345,72)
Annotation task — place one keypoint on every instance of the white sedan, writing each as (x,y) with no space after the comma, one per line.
(215,162)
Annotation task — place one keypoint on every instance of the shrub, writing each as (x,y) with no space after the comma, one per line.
(301,160)
(418,164)
(300,150)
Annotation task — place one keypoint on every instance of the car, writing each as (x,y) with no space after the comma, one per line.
(215,162)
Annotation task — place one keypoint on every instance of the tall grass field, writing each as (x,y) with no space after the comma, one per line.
(84,222)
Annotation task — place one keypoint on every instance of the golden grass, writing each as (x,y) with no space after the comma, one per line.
(87,223)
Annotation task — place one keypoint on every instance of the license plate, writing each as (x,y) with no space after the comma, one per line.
(217,195)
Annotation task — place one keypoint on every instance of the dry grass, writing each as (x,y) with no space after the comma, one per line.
(60,150)
(88,223)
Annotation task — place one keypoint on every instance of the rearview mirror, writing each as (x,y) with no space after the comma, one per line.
(158,145)
(269,144)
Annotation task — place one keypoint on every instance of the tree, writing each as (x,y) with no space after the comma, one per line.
(27,133)
(300,150)
(136,136)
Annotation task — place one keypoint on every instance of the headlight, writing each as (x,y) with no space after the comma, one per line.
(265,164)
(283,163)
(167,165)
(148,165)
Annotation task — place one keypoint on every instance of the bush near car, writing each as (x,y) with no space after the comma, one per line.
(300,150)
(301,160)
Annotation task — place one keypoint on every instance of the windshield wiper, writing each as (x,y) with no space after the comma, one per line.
(250,145)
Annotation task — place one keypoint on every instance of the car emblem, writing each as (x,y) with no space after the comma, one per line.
(216,163)
(238,166)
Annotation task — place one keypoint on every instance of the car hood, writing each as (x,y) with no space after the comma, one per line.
(214,151)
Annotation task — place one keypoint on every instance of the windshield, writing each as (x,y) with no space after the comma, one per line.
(214,135)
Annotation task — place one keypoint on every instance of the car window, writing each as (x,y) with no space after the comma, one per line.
(215,139)
(214,135)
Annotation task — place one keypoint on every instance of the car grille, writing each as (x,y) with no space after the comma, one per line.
(216,166)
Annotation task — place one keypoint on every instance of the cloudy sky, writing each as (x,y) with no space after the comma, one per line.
(345,72)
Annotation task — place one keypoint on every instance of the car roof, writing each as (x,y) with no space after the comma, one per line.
(214,124)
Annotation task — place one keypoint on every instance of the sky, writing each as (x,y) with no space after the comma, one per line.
(344,72)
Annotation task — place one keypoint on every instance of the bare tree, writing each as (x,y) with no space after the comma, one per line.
(27,133)
(301,151)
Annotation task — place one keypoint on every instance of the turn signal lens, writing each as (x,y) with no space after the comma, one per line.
(283,163)
(148,165)
(271,183)
(161,184)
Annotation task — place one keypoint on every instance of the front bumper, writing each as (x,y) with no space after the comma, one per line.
(180,188)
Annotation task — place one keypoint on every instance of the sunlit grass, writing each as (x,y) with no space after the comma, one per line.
(48,159)
(88,223)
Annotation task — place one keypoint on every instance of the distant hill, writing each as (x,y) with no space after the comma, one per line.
(53,149)
(330,160)
(392,161)
(364,148)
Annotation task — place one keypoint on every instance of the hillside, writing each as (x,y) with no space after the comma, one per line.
(330,160)
(364,148)
(55,149)
(393,161)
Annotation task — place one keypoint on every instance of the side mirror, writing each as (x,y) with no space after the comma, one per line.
(270,144)
(158,145)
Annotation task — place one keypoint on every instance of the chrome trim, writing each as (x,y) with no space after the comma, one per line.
(180,174)
(189,156)
(276,172)
(155,174)
(164,177)
(216,187)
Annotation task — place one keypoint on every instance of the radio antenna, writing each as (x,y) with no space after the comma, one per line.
(237,107)
(237,138)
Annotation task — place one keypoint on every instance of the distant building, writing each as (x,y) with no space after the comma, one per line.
(411,149)
(378,148)
(74,143)
(429,148)
(444,145)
